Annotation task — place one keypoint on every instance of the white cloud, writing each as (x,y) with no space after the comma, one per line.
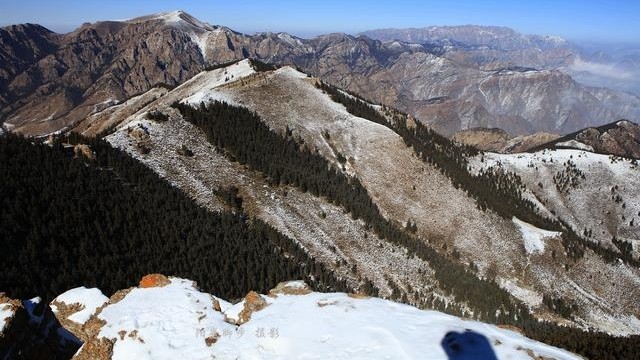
(602,69)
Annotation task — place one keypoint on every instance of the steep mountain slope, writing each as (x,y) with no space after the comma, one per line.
(20,47)
(322,228)
(595,194)
(100,218)
(111,61)
(99,62)
(407,191)
(290,322)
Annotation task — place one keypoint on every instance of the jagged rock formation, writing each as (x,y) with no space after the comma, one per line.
(29,330)
(177,320)
(71,75)
(621,138)
(13,324)
(51,82)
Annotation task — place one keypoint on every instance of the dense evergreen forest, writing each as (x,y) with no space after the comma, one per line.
(247,139)
(67,222)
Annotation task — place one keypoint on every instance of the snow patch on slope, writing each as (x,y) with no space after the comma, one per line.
(529,297)
(290,72)
(533,237)
(204,83)
(179,18)
(89,299)
(574,145)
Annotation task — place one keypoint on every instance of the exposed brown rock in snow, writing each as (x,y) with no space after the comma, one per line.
(96,349)
(252,302)
(154,280)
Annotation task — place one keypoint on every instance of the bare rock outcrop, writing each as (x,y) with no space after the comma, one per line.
(482,139)
(252,302)
(620,138)
(154,280)
(95,349)
(13,325)
(29,330)
(85,151)
(498,140)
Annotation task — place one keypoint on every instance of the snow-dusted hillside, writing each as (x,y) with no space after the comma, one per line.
(598,195)
(401,184)
(172,319)
(323,229)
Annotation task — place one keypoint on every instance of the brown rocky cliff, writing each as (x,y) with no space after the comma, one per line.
(252,302)
(620,138)
(96,63)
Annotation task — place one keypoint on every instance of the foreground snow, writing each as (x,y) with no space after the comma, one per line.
(88,299)
(177,321)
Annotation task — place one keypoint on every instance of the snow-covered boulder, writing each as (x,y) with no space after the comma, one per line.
(74,308)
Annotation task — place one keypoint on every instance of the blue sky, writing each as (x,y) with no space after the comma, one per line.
(612,20)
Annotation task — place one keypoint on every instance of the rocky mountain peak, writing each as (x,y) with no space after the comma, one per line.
(620,138)
(177,18)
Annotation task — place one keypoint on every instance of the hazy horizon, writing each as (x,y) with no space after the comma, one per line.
(580,22)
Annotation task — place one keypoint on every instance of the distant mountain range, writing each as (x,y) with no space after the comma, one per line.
(452,78)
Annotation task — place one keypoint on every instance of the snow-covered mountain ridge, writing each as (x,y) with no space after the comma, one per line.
(169,318)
